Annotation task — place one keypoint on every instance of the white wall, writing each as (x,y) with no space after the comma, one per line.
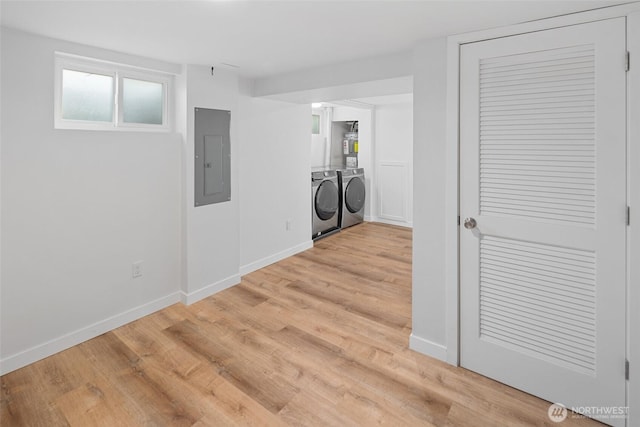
(275,181)
(211,232)
(394,160)
(78,208)
(429,178)
(366,148)
(390,70)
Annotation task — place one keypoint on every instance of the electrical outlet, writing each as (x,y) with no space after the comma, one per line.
(136,270)
(289,224)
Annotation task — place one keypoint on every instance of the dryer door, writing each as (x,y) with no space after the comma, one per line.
(354,195)
(326,202)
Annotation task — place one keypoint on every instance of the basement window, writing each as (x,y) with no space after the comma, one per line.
(142,102)
(315,124)
(97,95)
(87,96)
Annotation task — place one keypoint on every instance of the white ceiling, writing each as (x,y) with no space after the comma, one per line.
(264,37)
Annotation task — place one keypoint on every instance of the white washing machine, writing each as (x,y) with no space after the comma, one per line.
(352,196)
(325,201)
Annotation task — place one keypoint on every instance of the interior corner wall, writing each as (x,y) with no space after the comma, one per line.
(78,208)
(429,177)
(275,181)
(366,150)
(180,117)
(211,231)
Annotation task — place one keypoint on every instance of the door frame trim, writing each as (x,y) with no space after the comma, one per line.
(452,205)
(633,231)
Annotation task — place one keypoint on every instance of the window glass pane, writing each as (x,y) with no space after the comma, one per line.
(87,96)
(142,102)
(315,124)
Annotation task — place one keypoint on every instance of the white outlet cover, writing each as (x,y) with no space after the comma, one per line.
(136,269)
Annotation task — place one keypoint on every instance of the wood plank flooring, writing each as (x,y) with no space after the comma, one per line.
(318,339)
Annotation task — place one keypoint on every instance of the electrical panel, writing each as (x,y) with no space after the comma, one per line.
(212,156)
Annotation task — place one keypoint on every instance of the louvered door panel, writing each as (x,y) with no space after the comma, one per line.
(533,153)
(539,300)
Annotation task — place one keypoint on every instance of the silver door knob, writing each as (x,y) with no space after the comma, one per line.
(470,223)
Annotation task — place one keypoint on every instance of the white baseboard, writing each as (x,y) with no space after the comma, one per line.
(33,354)
(195,296)
(424,346)
(261,263)
(393,222)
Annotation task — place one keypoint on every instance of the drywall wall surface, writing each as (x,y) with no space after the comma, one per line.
(394,132)
(384,67)
(180,117)
(212,231)
(78,208)
(275,180)
(394,161)
(394,86)
(429,177)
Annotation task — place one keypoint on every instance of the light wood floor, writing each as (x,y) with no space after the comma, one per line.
(319,339)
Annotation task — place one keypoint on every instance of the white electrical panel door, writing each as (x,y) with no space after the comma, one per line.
(542,205)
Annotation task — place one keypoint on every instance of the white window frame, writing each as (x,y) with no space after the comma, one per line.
(118,72)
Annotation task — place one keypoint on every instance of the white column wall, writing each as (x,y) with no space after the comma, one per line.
(429,178)
(211,231)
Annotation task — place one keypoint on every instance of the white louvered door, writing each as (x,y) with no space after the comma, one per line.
(543,173)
